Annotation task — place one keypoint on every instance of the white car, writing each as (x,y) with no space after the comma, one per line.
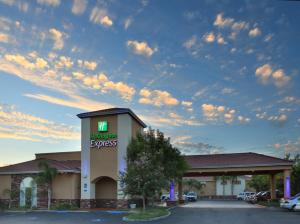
(297,207)
(291,203)
(166,197)
(244,195)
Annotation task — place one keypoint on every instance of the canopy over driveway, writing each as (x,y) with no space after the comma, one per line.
(239,164)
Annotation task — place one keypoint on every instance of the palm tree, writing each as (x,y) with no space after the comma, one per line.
(46,176)
(194,184)
(11,194)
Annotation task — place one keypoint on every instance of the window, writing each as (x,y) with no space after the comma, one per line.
(236,182)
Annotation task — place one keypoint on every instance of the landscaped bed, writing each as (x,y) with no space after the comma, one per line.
(151,213)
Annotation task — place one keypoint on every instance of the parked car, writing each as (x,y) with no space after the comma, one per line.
(243,195)
(166,196)
(264,196)
(297,207)
(291,203)
(251,198)
(191,196)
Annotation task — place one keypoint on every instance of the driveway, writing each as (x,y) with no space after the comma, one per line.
(180,215)
(219,204)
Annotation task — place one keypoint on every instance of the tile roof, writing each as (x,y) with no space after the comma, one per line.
(112,111)
(67,166)
(249,159)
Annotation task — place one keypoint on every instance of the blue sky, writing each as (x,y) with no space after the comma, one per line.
(215,76)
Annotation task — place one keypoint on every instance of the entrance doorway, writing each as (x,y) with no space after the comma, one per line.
(28,193)
(106,192)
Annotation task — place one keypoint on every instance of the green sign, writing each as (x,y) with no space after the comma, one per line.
(103,136)
(102,126)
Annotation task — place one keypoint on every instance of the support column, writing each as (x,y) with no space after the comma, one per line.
(287,184)
(172,191)
(273,186)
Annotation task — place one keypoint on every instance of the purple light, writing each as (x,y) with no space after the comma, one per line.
(287,190)
(172,191)
(85,168)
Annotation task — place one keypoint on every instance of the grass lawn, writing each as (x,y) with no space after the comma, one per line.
(149,213)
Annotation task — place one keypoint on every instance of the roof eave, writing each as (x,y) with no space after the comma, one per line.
(244,166)
(35,172)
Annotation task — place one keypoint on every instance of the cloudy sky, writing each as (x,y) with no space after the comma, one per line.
(215,76)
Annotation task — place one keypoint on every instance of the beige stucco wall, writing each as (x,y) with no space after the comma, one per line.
(66,186)
(104,161)
(60,156)
(136,128)
(106,188)
(5,183)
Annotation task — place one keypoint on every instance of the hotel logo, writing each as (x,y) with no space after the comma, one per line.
(102,126)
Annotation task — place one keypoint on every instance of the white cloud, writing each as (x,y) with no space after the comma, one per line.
(243,120)
(171,119)
(227,90)
(53,3)
(280,78)
(223,22)
(21,5)
(157,98)
(90,65)
(209,37)
(140,48)
(266,75)
(276,119)
(24,62)
(268,37)
(290,100)
(79,6)
(221,113)
(6,38)
(22,126)
(64,62)
(75,101)
(254,32)
(264,72)
(127,23)
(190,42)
(240,25)
(99,16)
(220,39)
(57,37)
(106,21)
(102,83)
(187,103)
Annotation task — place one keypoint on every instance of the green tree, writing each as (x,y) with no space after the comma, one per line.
(295,176)
(193,185)
(152,162)
(11,194)
(46,177)
(260,182)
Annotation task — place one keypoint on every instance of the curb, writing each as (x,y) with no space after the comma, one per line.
(50,211)
(125,219)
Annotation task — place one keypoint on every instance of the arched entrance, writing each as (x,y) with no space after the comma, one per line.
(28,193)
(105,192)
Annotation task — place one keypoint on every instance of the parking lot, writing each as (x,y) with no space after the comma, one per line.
(220,204)
(180,215)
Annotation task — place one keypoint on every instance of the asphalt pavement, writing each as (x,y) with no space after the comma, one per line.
(180,215)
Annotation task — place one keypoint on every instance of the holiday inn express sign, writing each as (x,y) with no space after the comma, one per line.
(100,140)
